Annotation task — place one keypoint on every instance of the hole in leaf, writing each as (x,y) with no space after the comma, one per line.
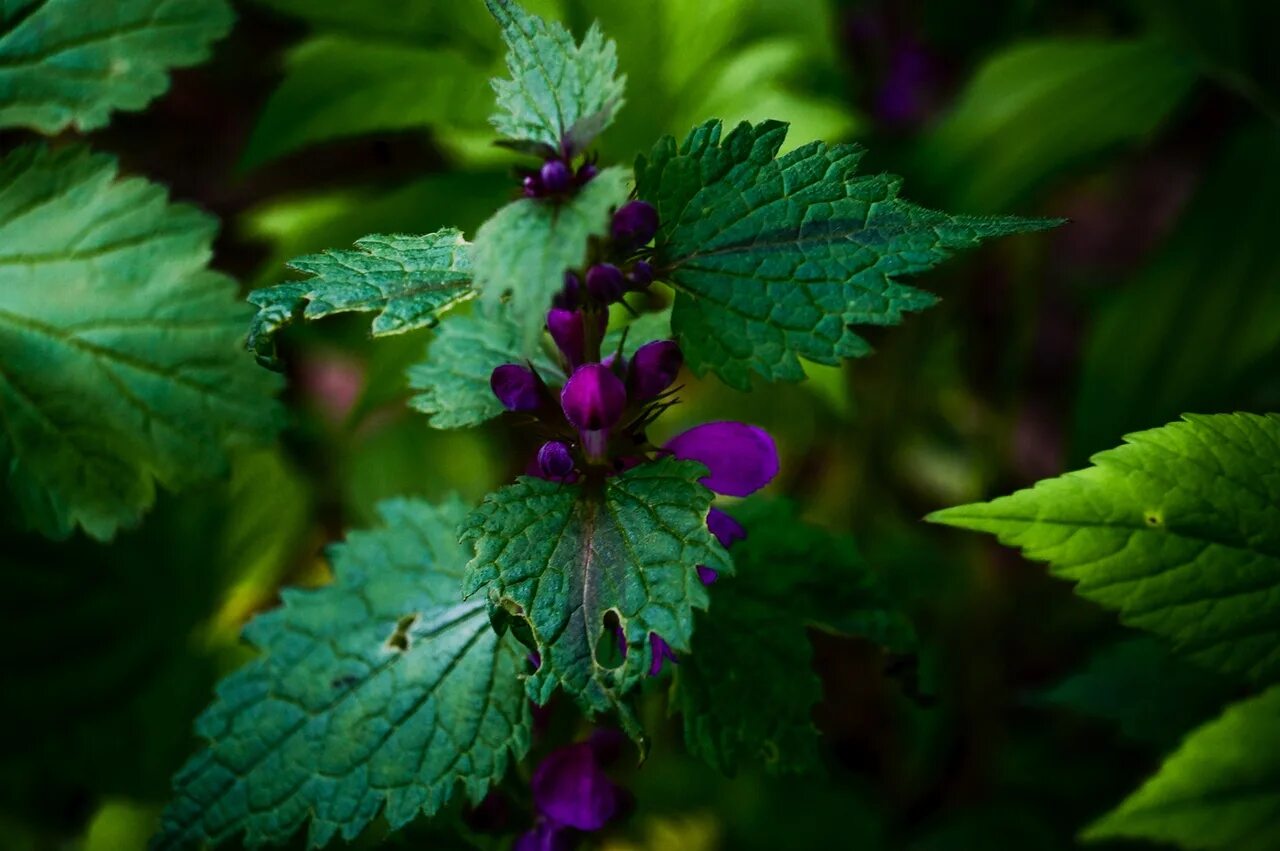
(1154,519)
(399,638)
(611,644)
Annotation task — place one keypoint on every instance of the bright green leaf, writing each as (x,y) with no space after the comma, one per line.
(408,280)
(71,62)
(454,376)
(1179,530)
(560,94)
(377,694)
(528,245)
(560,557)
(1219,790)
(775,259)
(122,351)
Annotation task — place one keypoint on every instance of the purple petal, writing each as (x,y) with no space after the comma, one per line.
(606,283)
(567,330)
(661,652)
(555,460)
(707,575)
(516,387)
(635,223)
(544,836)
(653,368)
(556,176)
(741,458)
(593,398)
(725,528)
(570,788)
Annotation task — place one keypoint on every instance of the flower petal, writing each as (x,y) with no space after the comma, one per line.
(725,528)
(570,788)
(742,458)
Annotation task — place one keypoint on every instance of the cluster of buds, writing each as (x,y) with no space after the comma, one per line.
(557,179)
(625,268)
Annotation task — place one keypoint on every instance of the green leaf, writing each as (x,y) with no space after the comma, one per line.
(454,375)
(1220,790)
(747,690)
(528,245)
(560,94)
(559,557)
(71,62)
(1179,530)
(1039,108)
(122,351)
(378,693)
(408,280)
(774,259)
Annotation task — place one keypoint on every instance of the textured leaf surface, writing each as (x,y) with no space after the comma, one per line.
(454,375)
(71,62)
(774,259)
(378,693)
(1179,530)
(560,94)
(747,690)
(122,351)
(528,245)
(407,280)
(560,557)
(1219,790)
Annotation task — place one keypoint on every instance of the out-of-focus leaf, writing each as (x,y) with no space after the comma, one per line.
(1179,530)
(122,350)
(1196,331)
(72,62)
(1219,790)
(377,694)
(1039,108)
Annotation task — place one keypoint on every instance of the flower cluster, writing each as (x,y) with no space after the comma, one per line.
(557,179)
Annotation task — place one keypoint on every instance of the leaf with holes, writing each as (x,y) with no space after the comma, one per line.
(561,95)
(123,352)
(561,557)
(379,693)
(776,258)
(1179,530)
(71,62)
(407,280)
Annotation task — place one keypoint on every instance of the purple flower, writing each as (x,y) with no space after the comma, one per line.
(556,176)
(661,652)
(653,368)
(516,387)
(727,531)
(569,297)
(586,172)
(545,836)
(741,458)
(593,398)
(641,274)
(571,789)
(635,223)
(606,283)
(555,461)
(566,328)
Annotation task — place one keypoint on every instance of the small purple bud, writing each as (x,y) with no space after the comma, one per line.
(566,328)
(606,283)
(571,296)
(593,398)
(556,177)
(641,274)
(516,387)
(587,172)
(532,187)
(635,223)
(654,368)
(706,575)
(555,460)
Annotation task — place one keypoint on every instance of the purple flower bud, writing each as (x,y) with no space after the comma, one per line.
(606,283)
(516,387)
(661,652)
(706,575)
(555,460)
(725,528)
(566,328)
(532,186)
(641,274)
(570,788)
(587,172)
(740,458)
(653,369)
(635,223)
(556,177)
(593,398)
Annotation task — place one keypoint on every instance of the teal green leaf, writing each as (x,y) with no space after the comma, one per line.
(747,690)
(526,247)
(559,557)
(560,94)
(122,350)
(774,259)
(377,694)
(1038,109)
(72,62)
(407,280)
(454,375)
(1219,790)
(1179,530)
(1144,360)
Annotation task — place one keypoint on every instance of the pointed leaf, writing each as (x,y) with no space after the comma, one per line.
(1179,530)
(1220,790)
(122,350)
(774,259)
(379,693)
(560,94)
(408,280)
(71,62)
(560,557)
(528,245)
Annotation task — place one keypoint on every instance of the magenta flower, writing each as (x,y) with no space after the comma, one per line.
(593,398)
(555,461)
(741,458)
(566,328)
(653,369)
(570,788)
(516,387)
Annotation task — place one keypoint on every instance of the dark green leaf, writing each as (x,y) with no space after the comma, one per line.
(378,693)
(122,350)
(774,259)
